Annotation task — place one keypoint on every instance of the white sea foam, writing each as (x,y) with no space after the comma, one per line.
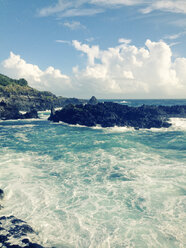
(178,123)
(119,129)
(79,213)
(121,101)
(88,189)
(44,114)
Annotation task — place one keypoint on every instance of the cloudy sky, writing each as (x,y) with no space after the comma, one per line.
(107,48)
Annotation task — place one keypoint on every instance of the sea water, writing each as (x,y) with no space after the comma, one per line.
(96,187)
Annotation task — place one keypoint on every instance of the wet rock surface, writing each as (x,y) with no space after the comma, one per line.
(16,233)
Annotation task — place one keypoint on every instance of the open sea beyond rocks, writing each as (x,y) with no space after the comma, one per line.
(96,187)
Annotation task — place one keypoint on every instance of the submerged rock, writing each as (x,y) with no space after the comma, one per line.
(16,233)
(111,114)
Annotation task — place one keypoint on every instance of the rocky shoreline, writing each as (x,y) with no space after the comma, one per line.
(109,114)
(8,112)
(17,95)
(16,233)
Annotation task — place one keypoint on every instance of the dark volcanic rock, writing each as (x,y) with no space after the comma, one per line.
(93,101)
(1,194)
(1,197)
(16,233)
(11,112)
(111,114)
(31,114)
(8,111)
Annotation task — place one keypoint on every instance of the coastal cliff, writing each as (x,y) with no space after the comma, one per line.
(17,95)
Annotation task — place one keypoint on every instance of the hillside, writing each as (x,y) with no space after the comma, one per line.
(19,94)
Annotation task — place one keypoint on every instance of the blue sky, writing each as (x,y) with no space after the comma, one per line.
(107,48)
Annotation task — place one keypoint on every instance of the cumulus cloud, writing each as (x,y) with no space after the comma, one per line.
(128,71)
(51,79)
(123,71)
(92,52)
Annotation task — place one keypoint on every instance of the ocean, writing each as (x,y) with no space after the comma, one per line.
(81,187)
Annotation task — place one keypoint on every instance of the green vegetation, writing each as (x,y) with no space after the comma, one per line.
(4,81)
(10,87)
(19,94)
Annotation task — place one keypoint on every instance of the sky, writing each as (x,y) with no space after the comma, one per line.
(113,49)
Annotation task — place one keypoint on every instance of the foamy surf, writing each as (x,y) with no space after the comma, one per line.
(95,187)
(177,124)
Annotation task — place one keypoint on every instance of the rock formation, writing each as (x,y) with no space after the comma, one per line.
(9,111)
(19,95)
(111,114)
(93,101)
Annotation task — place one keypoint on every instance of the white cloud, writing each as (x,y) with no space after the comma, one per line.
(53,9)
(175,36)
(116,2)
(123,71)
(69,8)
(51,79)
(128,71)
(92,52)
(80,12)
(64,42)
(74,25)
(126,41)
(175,6)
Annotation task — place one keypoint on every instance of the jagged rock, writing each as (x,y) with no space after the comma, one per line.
(8,111)
(16,233)
(31,114)
(11,112)
(93,101)
(73,101)
(1,194)
(52,113)
(1,197)
(111,114)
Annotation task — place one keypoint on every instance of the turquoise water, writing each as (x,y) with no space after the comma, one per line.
(94,187)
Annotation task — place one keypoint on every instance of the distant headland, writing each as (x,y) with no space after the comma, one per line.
(17,95)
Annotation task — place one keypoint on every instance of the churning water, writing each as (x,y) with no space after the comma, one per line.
(93,187)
